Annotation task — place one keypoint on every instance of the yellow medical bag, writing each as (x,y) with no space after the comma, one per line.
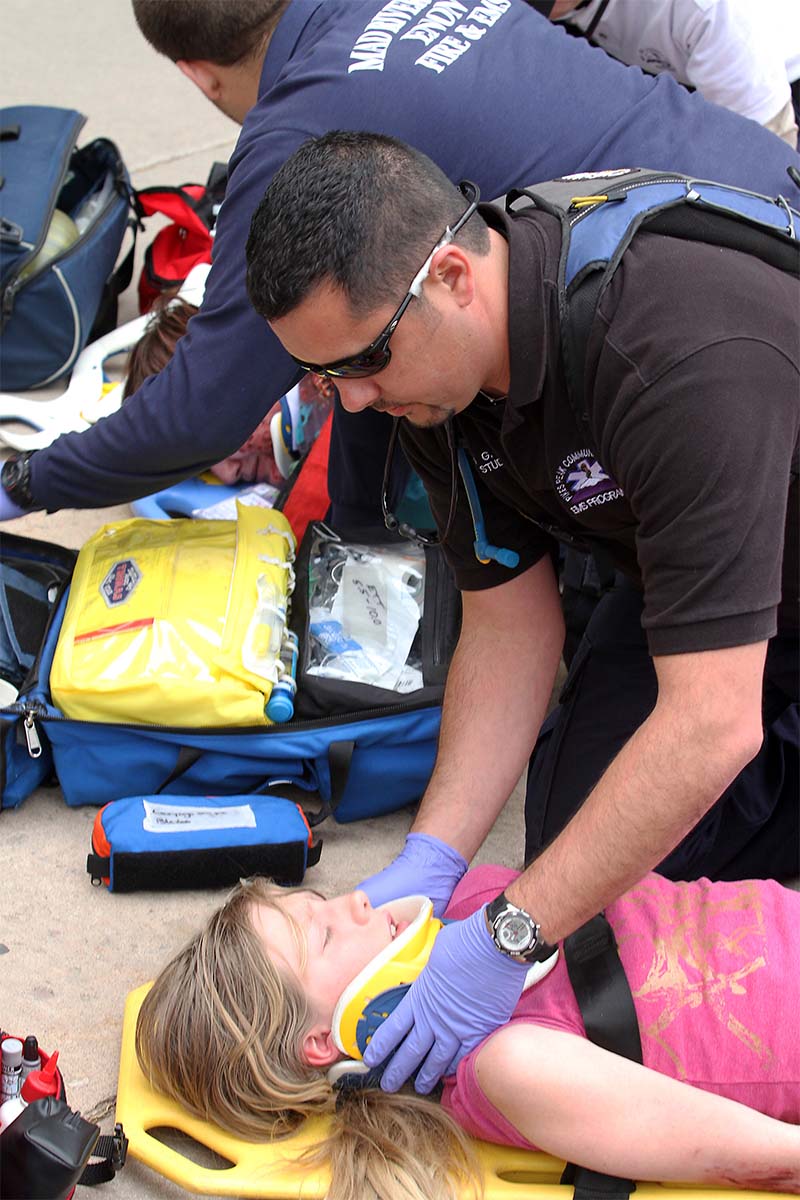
(176,623)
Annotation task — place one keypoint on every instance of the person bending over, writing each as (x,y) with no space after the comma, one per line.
(676,742)
(238,1028)
(736,53)
(492,91)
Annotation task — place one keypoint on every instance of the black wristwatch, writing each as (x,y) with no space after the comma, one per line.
(15,478)
(515,933)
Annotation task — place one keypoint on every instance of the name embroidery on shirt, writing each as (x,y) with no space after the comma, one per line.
(489,462)
(582,483)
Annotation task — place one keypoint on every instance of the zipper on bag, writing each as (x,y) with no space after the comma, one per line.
(32,734)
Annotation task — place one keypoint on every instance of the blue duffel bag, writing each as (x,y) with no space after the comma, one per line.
(360,751)
(64,211)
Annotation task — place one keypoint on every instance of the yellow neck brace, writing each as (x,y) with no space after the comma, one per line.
(381,985)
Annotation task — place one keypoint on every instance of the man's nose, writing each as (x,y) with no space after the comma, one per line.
(358,394)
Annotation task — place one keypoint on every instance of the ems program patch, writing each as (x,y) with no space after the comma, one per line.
(582,483)
(120,582)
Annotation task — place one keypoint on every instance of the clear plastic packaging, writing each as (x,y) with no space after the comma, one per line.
(262,643)
(365,609)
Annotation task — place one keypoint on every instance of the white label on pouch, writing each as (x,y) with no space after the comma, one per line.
(170,818)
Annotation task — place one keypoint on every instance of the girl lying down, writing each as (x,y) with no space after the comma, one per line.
(241,1028)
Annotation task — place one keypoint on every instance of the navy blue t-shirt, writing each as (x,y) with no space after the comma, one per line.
(492,92)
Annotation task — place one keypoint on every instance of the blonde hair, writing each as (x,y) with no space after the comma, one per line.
(221,1031)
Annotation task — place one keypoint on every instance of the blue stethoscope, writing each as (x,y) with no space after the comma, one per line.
(484,550)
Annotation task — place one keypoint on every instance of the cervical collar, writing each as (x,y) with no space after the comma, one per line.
(380,986)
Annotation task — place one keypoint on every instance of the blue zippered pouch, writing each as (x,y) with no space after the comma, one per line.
(172,842)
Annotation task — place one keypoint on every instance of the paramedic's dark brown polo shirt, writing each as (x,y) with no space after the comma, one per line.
(691,457)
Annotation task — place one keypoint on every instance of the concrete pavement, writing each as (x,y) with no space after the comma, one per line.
(70,953)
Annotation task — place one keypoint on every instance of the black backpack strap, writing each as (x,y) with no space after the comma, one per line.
(576,323)
(106,317)
(693,223)
(691,218)
(609,1016)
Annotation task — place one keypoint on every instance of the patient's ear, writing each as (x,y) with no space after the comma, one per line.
(319,1048)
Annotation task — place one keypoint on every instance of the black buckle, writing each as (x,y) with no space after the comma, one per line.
(119,1150)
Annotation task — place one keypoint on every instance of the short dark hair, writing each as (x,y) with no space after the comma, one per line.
(218,31)
(359,209)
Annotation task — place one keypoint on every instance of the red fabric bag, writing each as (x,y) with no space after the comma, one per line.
(187,240)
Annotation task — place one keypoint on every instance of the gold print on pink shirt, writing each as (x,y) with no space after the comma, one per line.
(703,954)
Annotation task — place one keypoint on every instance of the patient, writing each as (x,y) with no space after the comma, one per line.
(237,1028)
(254,462)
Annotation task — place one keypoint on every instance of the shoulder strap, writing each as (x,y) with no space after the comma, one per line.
(600,213)
(673,206)
(606,1005)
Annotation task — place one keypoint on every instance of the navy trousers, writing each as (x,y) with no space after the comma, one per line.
(753,831)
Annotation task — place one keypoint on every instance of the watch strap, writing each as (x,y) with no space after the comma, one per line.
(540,951)
(15,478)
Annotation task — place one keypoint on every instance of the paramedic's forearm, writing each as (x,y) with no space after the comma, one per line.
(705,728)
(498,688)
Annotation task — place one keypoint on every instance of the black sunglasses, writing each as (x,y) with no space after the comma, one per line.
(377,354)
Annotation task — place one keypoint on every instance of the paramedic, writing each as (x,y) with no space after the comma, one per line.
(681,466)
(489,89)
(742,55)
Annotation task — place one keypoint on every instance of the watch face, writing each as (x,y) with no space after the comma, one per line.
(514,933)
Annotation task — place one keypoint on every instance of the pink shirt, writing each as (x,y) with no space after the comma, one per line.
(714,970)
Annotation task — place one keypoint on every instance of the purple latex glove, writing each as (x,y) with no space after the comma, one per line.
(467,990)
(426,865)
(8,509)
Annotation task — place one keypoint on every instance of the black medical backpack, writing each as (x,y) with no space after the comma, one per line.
(600,212)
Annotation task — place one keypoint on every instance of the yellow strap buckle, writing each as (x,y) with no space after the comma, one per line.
(586,201)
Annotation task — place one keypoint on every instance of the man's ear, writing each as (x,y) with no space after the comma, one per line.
(454,270)
(319,1048)
(203,75)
